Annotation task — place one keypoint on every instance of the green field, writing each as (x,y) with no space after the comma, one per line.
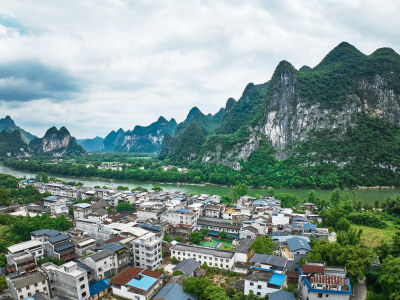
(373,237)
(211,244)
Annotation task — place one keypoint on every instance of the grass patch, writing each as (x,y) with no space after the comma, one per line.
(373,237)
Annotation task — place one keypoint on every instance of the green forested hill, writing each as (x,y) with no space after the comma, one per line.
(336,124)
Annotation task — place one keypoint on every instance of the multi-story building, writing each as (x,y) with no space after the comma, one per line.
(262,281)
(25,286)
(213,258)
(95,229)
(212,210)
(103,263)
(146,251)
(122,252)
(60,247)
(215,226)
(82,210)
(136,283)
(67,281)
(181,222)
(318,281)
(20,263)
(34,247)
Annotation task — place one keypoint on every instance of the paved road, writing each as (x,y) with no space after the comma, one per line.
(360,290)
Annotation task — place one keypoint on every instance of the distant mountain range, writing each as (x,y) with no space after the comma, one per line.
(142,139)
(16,142)
(340,118)
(8,125)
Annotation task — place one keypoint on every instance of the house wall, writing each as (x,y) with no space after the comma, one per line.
(259,288)
(305,295)
(209,260)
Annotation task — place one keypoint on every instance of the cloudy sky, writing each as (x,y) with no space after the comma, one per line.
(98,65)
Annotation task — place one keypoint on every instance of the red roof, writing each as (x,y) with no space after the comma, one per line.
(114,239)
(126,275)
(328,279)
(132,272)
(313,269)
(151,274)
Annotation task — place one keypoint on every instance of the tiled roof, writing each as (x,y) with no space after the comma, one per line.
(102,254)
(48,232)
(151,273)
(203,250)
(296,243)
(281,295)
(63,247)
(244,245)
(126,275)
(173,291)
(58,238)
(313,269)
(114,239)
(113,246)
(272,260)
(187,266)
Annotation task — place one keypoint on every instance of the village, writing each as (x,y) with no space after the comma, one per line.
(168,237)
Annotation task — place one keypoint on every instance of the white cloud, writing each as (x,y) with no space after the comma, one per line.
(137,60)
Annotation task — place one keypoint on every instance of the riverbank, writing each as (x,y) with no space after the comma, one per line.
(366,196)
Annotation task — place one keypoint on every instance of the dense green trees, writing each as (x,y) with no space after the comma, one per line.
(355,258)
(263,245)
(124,206)
(389,278)
(196,237)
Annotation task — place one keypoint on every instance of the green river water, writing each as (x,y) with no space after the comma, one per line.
(365,195)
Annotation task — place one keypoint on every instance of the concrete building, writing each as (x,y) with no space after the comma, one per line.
(34,247)
(271,262)
(67,281)
(122,252)
(215,226)
(60,247)
(318,281)
(262,281)
(95,229)
(212,210)
(103,263)
(146,251)
(222,259)
(43,234)
(20,263)
(25,286)
(82,210)
(136,283)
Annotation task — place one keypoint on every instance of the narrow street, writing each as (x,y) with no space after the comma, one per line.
(360,290)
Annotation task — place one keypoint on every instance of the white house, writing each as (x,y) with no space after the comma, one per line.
(318,281)
(262,281)
(136,283)
(68,281)
(103,263)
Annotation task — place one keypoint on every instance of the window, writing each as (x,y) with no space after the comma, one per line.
(259,287)
(319,295)
(81,279)
(29,294)
(36,284)
(21,297)
(82,286)
(258,294)
(83,294)
(44,288)
(251,283)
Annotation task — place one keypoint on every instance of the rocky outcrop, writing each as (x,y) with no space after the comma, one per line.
(290,114)
(57,143)
(12,145)
(148,139)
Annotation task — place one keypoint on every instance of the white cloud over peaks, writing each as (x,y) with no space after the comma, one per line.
(128,62)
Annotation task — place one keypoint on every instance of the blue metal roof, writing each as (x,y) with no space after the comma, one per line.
(115,246)
(182,210)
(277,279)
(98,286)
(259,202)
(64,247)
(58,238)
(296,243)
(173,291)
(144,283)
(151,227)
(178,199)
(309,226)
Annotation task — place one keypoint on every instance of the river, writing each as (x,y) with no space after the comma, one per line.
(366,195)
